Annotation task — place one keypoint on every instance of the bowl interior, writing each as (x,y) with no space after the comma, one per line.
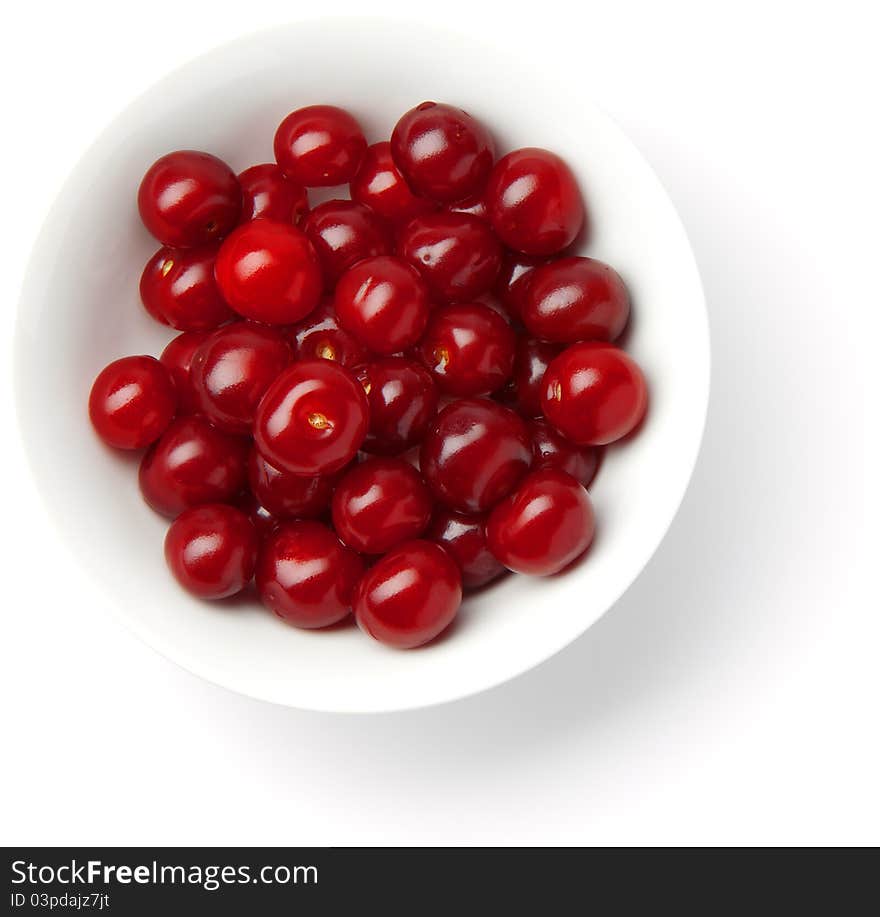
(80,309)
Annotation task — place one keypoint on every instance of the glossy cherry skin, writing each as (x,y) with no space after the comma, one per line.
(513,280)
(232,370)
(468,349)
(313,418)
(442,151)
(212,550)
(529,365)
(177,358)
(552,450)
(410,596)
(319,336)
(594,394)
(543,526)
(192,463)
(319,146)
(379,504)
(575,299)
(343,233)
(189,198)
(380,186)
(474,453)
(402,398)
(267,193)
(463,537)
(456,253)
(132,401)
(383,302)
(286,495)
(262,520)
(535,204)
(269,272)
(306,576)
(476,206)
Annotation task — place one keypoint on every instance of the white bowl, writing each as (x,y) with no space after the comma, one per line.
(80,309)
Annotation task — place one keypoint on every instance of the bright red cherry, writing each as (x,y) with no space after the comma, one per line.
(403,399)
(132,401)
(379,504)
(552,450)
(474,453)
(192,463)
(456,253)
(286,495)
(306,575)
(212,550)
(380,186)
(383,302)
(269,272)
(513,281)
(529,365)
(575,299)
(343,233)
(319,146)
(319,335)
(232,370)
(177,359)
(534,202)
(313,418)
(267,193)
(189,198)
(463,537)
(594,394)
(468,349)
(410,596)
(543,526)
(443,152)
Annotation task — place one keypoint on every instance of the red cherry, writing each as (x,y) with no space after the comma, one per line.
(313,418)
(476,206)
(380,186)
(189,198)
(402,399)
(132,401)
(442,151)
(212,550)
(177,359)
(513,281)
(543,526)
(383,302)
(463,536)
(474,453)
(529,365)
(262,520)
(343,233)
(456,253)
(192,463)
(318,335)
(594,394)
(232,370)
(306,575)
(286,495)
(468,349)
(534,202)
(379,504)
(553,450)
(178,289)
(410,596)
(319,145)
(267,193)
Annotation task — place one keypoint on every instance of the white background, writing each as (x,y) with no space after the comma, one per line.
(731,696)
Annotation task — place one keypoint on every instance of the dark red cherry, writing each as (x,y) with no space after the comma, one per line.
(269,272)
(189,198)
(212,550)
(192,463)
(463,536)
(529,365)
(383,302)
(476,206)
(543,526)
(379,504)
(319,335)
(535,204)
(380,186)
(343,233)
(468,349)
(319,146)
(132,401)
(552,450)
(177,359)
(306,575)
(262,520)
(513,280)
(410,596)
(287,495)
(456,253)
(594,394)
(313,418)
(269,194)
(442,151)
(232,370)
(474,453)
(402,399)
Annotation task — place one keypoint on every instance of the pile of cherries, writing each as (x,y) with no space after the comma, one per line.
(376,402)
